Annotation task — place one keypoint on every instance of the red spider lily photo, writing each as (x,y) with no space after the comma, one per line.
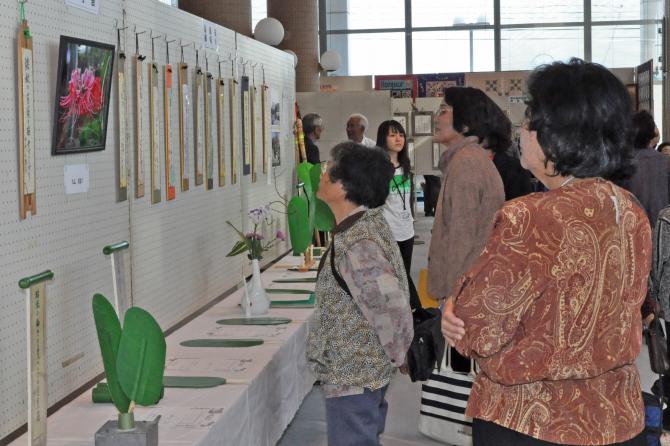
(82,95)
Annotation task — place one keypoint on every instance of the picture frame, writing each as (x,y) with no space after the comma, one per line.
(422,123)
(437,152)
(81,105)
(403,119)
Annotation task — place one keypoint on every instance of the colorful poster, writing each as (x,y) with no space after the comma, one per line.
(400,85)
(433,85)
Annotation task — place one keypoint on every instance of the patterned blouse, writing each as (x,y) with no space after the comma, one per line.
(552,315)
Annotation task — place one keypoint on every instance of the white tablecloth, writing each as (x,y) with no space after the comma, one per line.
(271,381)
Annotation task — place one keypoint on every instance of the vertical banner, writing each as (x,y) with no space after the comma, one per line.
(253,112)
(26,115)
(168,98)
(154,128)
(209,141)
(233,130)
(198,124)
(246,126)
(220,144)
(184,119)
(122,122)
(265,120)
(139,112)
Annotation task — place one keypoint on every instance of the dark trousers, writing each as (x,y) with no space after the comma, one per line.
(406,249)
(430,194)
(356,420)
(485,433)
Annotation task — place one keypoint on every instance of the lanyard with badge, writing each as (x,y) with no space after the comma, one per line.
(405,214)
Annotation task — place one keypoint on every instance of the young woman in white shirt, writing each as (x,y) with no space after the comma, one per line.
(398,208)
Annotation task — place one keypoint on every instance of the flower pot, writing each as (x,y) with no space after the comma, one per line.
(257,298)
(117,433)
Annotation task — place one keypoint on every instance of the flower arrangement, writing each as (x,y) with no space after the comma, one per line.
(253,243)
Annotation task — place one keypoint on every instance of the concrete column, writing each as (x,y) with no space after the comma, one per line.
(232,14)
(300,19)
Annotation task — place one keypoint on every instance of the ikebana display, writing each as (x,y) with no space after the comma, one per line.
(253,243)
(184,117)
(26,118)
(134,362)
(138,62)
(36,317)
(154,126)
(168,100)
(122,119)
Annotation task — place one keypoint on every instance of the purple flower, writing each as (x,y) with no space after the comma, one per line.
(253,236)
(257,215)
(280,235)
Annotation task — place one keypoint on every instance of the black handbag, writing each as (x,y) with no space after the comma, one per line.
(658,353)
(427,348)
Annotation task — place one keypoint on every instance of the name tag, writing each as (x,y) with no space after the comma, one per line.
(405,216)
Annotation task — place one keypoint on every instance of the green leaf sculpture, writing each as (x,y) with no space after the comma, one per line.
(109,336)
(298,224)
(324,220)
(133,357)
(141,359)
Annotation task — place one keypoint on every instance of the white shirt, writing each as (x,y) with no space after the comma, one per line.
(397,209)
(367,142)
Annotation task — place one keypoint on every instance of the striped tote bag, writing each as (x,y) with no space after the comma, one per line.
(443,400)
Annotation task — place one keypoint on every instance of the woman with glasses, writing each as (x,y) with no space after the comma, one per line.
(472,190)
(398,209)
(551,309)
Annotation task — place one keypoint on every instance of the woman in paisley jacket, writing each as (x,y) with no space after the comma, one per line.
(551,309)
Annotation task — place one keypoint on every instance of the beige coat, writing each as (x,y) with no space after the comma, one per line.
(472,191)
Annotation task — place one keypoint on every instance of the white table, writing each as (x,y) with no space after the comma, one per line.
(273,379)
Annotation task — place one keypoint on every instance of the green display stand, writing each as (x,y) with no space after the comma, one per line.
(284,291)
(193,382)
(305,303)
(255,321)
(305,280)
(231,343)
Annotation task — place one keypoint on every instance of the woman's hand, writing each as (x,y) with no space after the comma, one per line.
(453,328)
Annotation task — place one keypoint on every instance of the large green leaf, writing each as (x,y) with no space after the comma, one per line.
(238,248)
(141,359)
(298,224)
(324,220)
(305,176)
(315,177)
(109,336)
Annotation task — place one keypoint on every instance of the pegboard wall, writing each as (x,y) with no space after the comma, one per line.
(177,256)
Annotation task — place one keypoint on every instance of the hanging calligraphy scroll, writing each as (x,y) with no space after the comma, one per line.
(184,118)
(253,112)
(220,145)
(198,124)
(246,126)
(209,141)
(139,112)
(170,177)
(26,102)
(265,119)
(154,128)
(122,121)
(233,130)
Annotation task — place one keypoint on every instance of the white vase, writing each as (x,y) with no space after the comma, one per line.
(258,299)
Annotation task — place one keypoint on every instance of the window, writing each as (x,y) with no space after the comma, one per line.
(611,10)
(449,51)
(541,11)
(526,48)
(622,45)
(432,13)
(370,53)
(365,14)
(259,11)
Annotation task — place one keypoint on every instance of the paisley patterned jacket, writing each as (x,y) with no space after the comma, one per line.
(552,315)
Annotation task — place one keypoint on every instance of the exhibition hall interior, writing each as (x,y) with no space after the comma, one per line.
(334,222)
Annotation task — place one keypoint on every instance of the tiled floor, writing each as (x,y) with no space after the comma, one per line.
(309,425)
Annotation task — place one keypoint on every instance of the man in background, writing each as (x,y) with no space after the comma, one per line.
(312,125)
(356,125)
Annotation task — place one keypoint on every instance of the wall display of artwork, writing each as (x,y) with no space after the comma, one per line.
(275,109)
(220,135)
(645,87)
(84,78)
(253,112)
(245,104)
(265,112)
(26,118)
(198,122)
(154,132)
(232,85)
(138,62)
(400,85)
(276,149)
(184,125)
(437,152)
(209,128)
(506,89)
(168,101)
(433,85)
(122,114)
(403,120)
(422,123)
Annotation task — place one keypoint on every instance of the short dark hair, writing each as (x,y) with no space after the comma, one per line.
(581,113)
(661,145)
(403,156)
(644,129)
(482,117)
(310,122)
(365,173)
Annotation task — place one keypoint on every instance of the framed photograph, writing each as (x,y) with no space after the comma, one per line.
(437,152)
(403,119)
(275,110)
(276,150)
(422,123)
(82,95)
